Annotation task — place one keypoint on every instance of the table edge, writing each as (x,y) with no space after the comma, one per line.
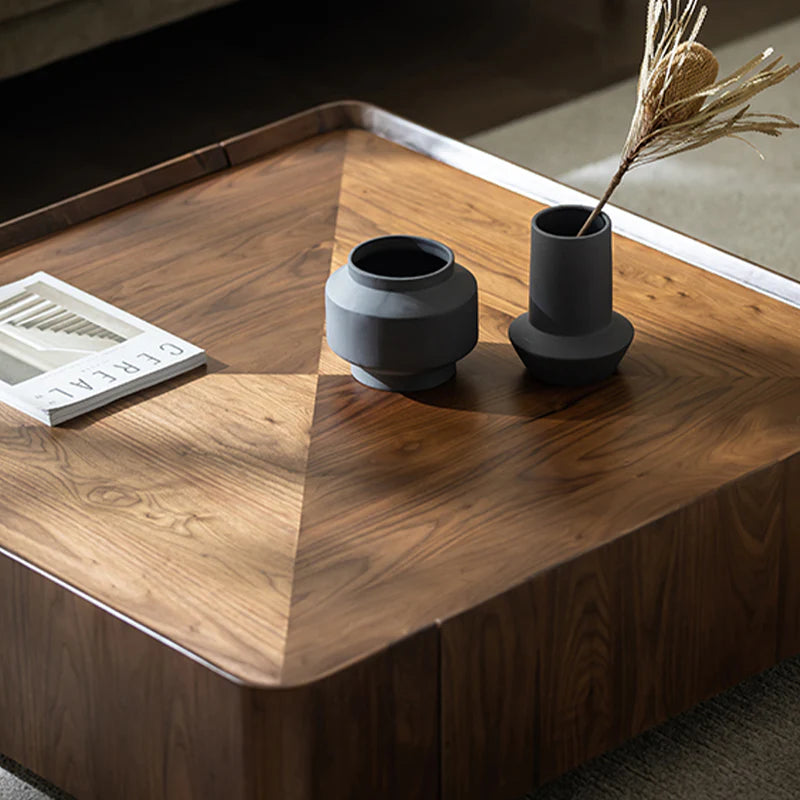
(127,619)
(291,683)
(357,115)
(537,187)
(59,216)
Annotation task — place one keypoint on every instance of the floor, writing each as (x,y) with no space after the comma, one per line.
(466,69)
(458,66)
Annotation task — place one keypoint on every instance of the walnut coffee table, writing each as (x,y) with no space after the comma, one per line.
(267,581)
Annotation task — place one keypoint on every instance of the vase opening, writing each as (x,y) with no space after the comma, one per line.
(401,257)
(566,221)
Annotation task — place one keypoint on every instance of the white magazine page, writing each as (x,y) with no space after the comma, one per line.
(60,346)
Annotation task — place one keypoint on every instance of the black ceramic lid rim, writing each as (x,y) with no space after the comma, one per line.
(401,283)
(554,209)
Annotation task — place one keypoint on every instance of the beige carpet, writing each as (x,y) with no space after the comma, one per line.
(745,744)
(723,194)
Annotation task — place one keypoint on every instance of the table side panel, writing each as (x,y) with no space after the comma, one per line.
(104,711)
(490,696)
(597,650)
(789,629)
(702,608)
(368,731)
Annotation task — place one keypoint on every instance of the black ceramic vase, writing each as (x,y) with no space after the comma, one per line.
(402,312)
(570,335)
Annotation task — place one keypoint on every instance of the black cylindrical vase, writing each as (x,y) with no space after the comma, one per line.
(570,335)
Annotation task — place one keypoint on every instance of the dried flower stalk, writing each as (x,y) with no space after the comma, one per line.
(680,105)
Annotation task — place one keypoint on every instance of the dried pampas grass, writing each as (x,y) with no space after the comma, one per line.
(680,104)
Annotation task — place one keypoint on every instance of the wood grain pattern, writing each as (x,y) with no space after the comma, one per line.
(299,127)
(589,560)
(194,513)
(703,581)
(789,599)
(87,205)
(224,262)
(152,467)
(581,683)
(370,730)
(594,651)
(688,322)
(106,711)
(473,499)
(490,690)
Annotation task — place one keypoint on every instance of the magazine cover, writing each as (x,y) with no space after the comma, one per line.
(64,352)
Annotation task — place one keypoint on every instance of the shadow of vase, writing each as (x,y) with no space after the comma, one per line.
(491,380)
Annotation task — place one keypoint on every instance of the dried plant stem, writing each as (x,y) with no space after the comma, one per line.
(615,181)
(680,104)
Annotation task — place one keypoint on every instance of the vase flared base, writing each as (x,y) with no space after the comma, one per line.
(403,381)
(571,360)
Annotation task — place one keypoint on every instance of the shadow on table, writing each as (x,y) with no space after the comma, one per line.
(84,420)
(492,380)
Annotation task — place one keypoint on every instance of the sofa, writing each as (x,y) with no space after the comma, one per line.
(37,32)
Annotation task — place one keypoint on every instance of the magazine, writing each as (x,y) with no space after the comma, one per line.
(64,352)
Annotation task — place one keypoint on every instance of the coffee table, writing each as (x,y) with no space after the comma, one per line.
(264,580)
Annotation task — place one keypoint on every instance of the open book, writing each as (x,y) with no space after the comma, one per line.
(64,352)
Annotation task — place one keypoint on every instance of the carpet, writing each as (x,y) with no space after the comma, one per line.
(723,194)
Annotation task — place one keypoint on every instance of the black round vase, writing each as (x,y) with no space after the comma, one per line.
(402,312)
(570,335)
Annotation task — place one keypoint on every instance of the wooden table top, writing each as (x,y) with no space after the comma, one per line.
(278,520)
